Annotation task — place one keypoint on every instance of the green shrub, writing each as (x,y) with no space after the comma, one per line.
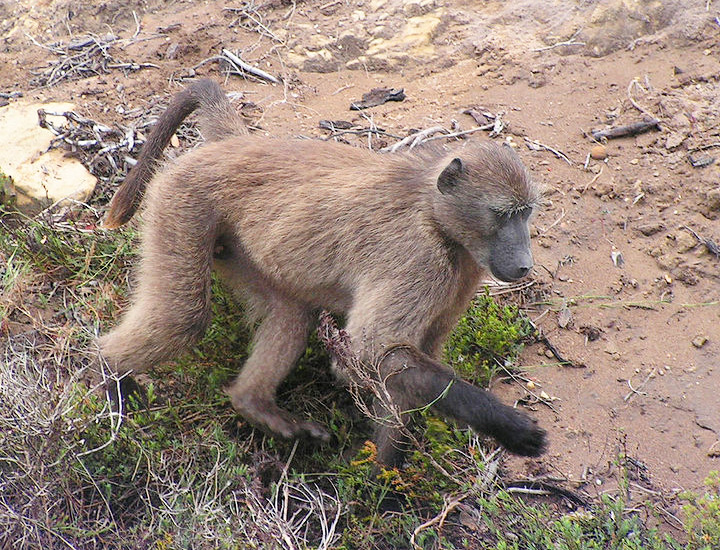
(488,332)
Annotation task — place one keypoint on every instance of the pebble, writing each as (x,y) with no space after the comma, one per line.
(650,228)
(599,152)
(699,341)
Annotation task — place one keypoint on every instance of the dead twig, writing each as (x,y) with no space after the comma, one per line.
(592,180)
(628,130)
(694,149)
(541,338)
(358,132)
(461,133)
(250,18)
(85,57)
(635,84)
(367,380)
(439,520)
(522,382)
(634,391)
(569,42)
(535,145)
(414,139)
(241,67)
(712,247)
(538,487)
(553,224)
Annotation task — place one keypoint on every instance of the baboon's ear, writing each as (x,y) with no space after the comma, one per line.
(449,176)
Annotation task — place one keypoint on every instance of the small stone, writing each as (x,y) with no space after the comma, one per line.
(604,189)
(712,199)
(650,228)
(175,141)
(675,140)
(564,317)
(699,341)
(685,241)
(530,385)
(599,152)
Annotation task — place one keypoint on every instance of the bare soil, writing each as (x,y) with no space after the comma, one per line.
(627,292)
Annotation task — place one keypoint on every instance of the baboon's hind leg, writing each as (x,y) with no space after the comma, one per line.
(171,306)
(278,343)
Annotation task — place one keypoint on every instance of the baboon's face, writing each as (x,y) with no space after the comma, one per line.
(485,204)
(510,257)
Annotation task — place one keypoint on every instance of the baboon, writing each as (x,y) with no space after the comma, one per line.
(396,243)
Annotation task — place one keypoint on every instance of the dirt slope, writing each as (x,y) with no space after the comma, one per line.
(637,293)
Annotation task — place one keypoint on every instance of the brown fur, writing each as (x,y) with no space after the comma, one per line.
(398,243)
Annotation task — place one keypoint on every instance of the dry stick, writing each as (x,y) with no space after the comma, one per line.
(257,19)
(518,379)
(628,130)
(235,60)
(342,89)
(439,519)
(641,386)
(535,144)
(543,339)
(693,150)
(462,133)
(538,487)
(633,84)
(568,42)
(709,244)
(413,138)
(508,288)
(360,132)
(553,224)
(593,180)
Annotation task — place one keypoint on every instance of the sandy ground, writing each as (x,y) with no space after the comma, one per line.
(625,290)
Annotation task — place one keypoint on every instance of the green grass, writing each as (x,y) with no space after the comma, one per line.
(186,472)
(488,333)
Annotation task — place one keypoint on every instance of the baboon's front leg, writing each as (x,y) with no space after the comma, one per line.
(415,380)
(278,343)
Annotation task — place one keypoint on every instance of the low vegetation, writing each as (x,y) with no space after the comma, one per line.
(181,470)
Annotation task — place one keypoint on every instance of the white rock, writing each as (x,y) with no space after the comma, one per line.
(40,178)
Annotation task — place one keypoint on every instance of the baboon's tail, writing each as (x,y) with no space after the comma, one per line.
(218,120)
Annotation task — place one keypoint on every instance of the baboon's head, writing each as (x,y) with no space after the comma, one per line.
(484,202)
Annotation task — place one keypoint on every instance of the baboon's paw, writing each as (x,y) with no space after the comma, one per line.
(522,436)
(264,414)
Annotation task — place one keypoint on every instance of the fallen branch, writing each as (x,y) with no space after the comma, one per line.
(542,339)
(537,487)
(438,520)
(569,42)
(693,150)
(627,130)
(535,145)
(461,133)
(414,139)
(241,67)
(85,57)
(635,84)
(634,391)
